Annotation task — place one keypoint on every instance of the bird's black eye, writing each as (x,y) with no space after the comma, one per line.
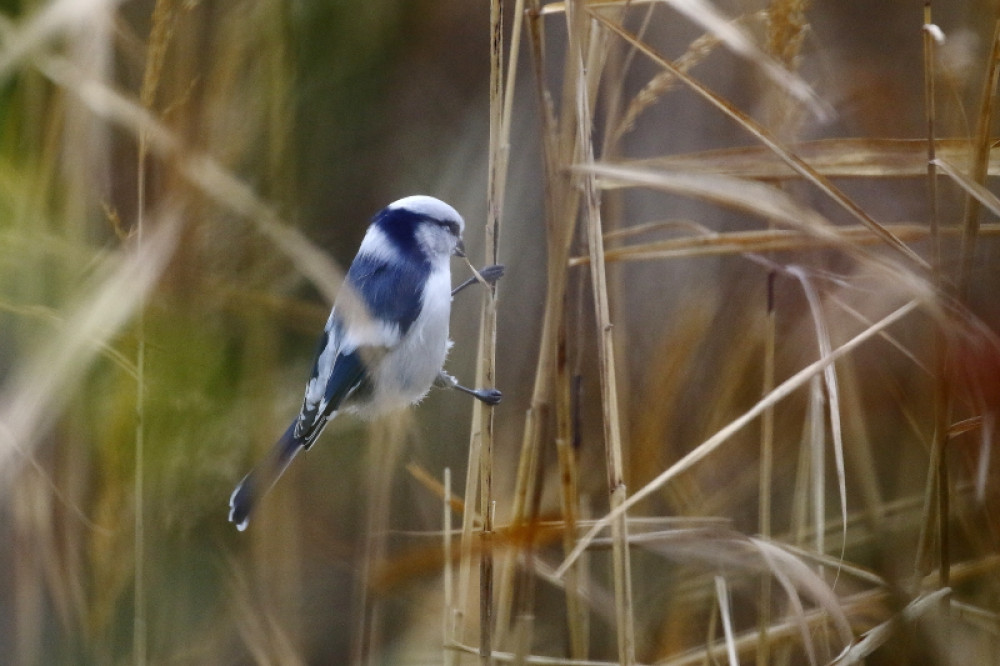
(451,226)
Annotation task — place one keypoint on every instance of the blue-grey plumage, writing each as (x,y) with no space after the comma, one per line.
(386,339)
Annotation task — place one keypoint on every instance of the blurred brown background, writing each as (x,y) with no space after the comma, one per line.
(327,111)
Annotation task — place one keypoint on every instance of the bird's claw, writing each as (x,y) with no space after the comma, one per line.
(492,273)
(491,397)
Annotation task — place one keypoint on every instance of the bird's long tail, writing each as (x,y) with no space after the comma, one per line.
(262,477)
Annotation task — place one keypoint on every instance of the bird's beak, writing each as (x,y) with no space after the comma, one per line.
(459,249)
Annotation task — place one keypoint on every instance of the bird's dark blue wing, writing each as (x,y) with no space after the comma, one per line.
(347,373)
(392,292)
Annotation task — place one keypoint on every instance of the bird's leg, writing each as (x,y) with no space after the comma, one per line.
(490,396)
(489,273)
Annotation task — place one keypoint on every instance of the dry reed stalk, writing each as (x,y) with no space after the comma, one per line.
(832,396)
(481,438)
(930,114)
(500,108)
(938,488)
(983,143)
(586,49)
(448,608)
(437,488)
(786,25)
(551,379)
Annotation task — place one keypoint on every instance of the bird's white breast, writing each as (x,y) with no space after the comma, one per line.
(405,374)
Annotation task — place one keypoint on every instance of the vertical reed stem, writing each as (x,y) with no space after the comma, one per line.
(580,25)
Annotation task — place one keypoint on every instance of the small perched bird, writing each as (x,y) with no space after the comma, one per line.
(386,339)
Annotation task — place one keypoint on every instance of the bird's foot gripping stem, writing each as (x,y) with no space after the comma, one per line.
(489,396)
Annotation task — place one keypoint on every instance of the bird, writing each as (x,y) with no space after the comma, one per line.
(386,339)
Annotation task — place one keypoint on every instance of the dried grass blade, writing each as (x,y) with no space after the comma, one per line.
(782,391)
(979,192)
(764,136)
(739,42)
(833,158)
(46,24)
(450,658)
(750,196)
(725,610)
(832,393)
(705,242)
(560,7)
(986,439)
(727,550)
(876,637)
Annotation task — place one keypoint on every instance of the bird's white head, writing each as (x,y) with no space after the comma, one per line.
(422,224)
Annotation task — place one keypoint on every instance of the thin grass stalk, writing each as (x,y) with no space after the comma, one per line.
(527,467)
(139,537)
(766,471)
(832,391)
(500,115)
(937,486)
(725,611)
(879,635)
(535,660)
(861,457)
(983,143)
(799,518)
(551,373)
(608,68)
(785,31)
(526,588)
(162,20)
(576,607)
(942,394)
(567,398)
(579,31)
(817,458)
(501,101)
(471,497)
(486,369)
(448,657)
(930,111)
(944,408)
(599,59)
